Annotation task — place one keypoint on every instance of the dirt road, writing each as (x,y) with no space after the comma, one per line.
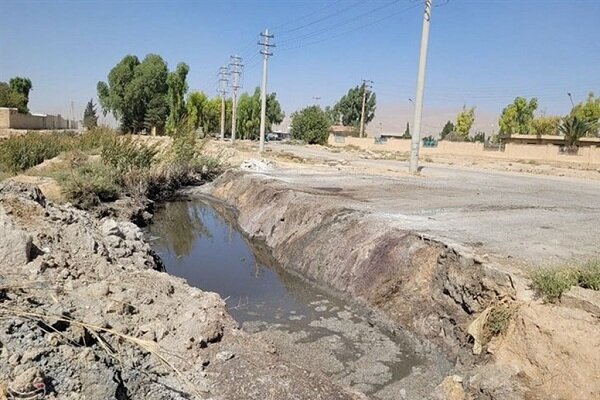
(523,218)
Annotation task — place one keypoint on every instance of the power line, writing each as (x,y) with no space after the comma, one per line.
(339,24)
(405,10)
(326,17)
(290,22)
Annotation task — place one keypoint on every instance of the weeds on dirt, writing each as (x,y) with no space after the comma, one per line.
(551,283)
(498,320)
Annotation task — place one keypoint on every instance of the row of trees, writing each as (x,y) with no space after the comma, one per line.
(518,118)
(15,93)
(145,95)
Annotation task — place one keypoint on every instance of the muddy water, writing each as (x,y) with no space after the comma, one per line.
(308,325)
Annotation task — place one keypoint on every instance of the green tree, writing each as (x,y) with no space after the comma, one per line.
(589,111)
(574,128)
(311,125)
(407,132)
(248,117)
(136,93)
(90,119)
(23,87)
(11,99)
(177,86)
(464,122)
(196,107)
(517,118)
(349,107)
(446,130)
(545,125)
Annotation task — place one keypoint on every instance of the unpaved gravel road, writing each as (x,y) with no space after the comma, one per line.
(519,218)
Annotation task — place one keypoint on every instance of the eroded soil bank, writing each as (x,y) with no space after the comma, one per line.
(432,288)
(85,313)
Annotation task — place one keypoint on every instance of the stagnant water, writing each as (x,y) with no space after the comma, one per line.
(313,328)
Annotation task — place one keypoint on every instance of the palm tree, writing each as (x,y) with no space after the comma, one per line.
(574,128)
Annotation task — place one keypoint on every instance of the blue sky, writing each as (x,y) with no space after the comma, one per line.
(482,52)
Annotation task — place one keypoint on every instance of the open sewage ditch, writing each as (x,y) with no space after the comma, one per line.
(199,240)
(333,304)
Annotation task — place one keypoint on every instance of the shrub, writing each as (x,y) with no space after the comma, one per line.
(498,321)
(552,283)
(18,153)
(90,184)
(311,125)
(588,275)
(95,139)
(124,154)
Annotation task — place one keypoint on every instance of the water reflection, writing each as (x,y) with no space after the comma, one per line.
(178,226)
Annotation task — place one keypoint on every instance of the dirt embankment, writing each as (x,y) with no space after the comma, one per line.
(85,313)
(431,288)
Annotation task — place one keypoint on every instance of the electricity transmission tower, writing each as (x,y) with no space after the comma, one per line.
(367,85)
(235,69)
(223,82)
(416,134)
(263,98)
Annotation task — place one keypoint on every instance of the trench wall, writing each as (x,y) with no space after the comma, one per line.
(588,155)
(427,287)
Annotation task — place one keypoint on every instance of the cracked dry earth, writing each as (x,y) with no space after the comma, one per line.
(85,313)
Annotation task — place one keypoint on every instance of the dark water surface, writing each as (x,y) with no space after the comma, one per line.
(205,247)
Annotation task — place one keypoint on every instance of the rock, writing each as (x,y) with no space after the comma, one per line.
(29,382)
(451,388)
(224,355)
(583,299)
(22,190)
(110,227)
(16,244)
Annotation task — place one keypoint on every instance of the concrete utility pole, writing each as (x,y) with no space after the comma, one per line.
(235,69)
(223,81)
(366,87)
(416,134)
(263,95)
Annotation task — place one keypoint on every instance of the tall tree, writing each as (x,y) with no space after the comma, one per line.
(136,93)
(11,99)
(517,118)
(464,122)
(446,130)
(545,125)
(248,118)
(589,111)
(177,86)
(22,86)
(407,132)
(90,119)
(349,107)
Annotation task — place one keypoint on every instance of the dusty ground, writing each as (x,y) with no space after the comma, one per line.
(85,314)
(522,218)
(435,252)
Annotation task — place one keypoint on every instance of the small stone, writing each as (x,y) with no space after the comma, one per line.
(225,355)
(14,359)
